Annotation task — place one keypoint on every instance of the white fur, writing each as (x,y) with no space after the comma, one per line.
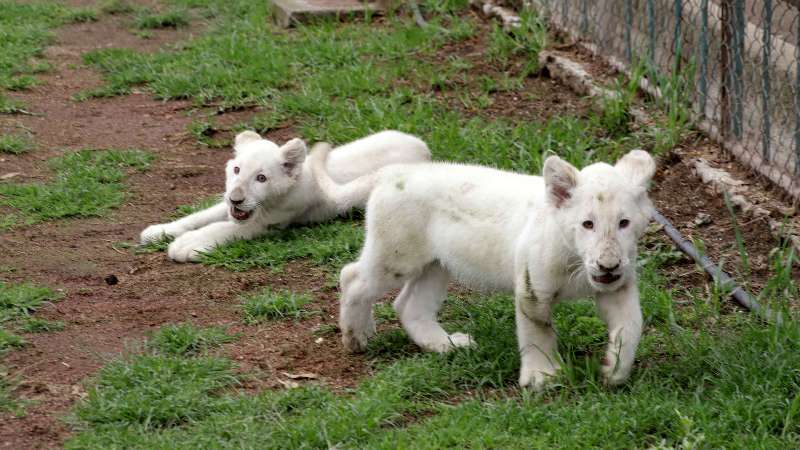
(274,187)
(496,230)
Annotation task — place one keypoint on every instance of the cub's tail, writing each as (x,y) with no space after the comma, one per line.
(344,196)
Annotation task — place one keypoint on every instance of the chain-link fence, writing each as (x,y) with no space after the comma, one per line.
(740,58)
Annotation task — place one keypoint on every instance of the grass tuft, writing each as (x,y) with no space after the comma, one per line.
(116,7)
(21,300)
(154,391)
(87,183)
(270,305)
(187,340)
(81,15)
(35,325)
(329,244)
(15,144)
(168,19)
(9,340)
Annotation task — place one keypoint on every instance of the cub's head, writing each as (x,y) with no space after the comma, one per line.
(260,173)
(602,211)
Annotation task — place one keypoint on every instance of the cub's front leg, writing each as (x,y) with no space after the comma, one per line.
(622,314)
(216,213)
(190,245)
(535,335)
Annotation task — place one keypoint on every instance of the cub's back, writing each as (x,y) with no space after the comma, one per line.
(469,217)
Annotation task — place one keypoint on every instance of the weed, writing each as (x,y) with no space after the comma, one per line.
(115,7)
(168,19)
(9,340)
(21,300)
(10,106)
(15,144)
(330,244)
(154,391)
(87,183)
(81,15)
(187,339)
(35,325)
(7,384)
(270,305)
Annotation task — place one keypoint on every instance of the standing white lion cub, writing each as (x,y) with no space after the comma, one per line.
(267,185)
(567,235)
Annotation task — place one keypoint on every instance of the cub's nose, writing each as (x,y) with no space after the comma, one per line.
(237,202)
(607,269)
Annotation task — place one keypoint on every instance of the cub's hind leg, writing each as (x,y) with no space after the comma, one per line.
(418,305)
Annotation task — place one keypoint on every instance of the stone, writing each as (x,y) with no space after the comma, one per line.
(288,12)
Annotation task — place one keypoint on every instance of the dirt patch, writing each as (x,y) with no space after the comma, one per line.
(537,98)
(76,256)
(701,214)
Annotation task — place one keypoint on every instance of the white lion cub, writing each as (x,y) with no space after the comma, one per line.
(267,185)
(566,235)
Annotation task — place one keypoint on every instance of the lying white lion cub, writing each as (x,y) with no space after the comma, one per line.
(567,235)
(267,185)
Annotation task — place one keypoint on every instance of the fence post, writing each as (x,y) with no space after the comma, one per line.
(584,25)
(765,82)
(725,69)
(738,68)
(651,31)
(703,56)
(628,26)
(797,100)
(677,45)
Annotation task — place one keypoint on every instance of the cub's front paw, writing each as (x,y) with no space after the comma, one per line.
(189,247)
(613,373)
(355,341)
(536,379)
(155,233)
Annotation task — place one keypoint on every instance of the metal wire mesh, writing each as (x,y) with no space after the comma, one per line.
(741,59)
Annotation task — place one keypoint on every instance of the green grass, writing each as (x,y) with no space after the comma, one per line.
(329,244)
(167,19)
(9,340)
(187,340)
(733,384)
(155,391)
(18,301)
(9,105)
(35,325)
(704,377)
(81,15)
(22,299)
(117,7)
(271,305)
(26,28)
(15,144)
(87,183)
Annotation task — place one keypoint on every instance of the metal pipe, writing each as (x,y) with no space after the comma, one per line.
(741,296)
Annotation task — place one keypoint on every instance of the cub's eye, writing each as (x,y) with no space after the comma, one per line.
(236,170)
(261,178)
(588,224)
(624,223)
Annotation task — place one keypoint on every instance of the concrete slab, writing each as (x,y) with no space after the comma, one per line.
(288,12)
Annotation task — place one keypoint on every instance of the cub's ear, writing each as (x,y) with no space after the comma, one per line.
(294,153)
(245,137)
(638,167)
(560,179)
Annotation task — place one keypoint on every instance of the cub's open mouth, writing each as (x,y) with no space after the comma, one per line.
(239,214)
(606,278)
